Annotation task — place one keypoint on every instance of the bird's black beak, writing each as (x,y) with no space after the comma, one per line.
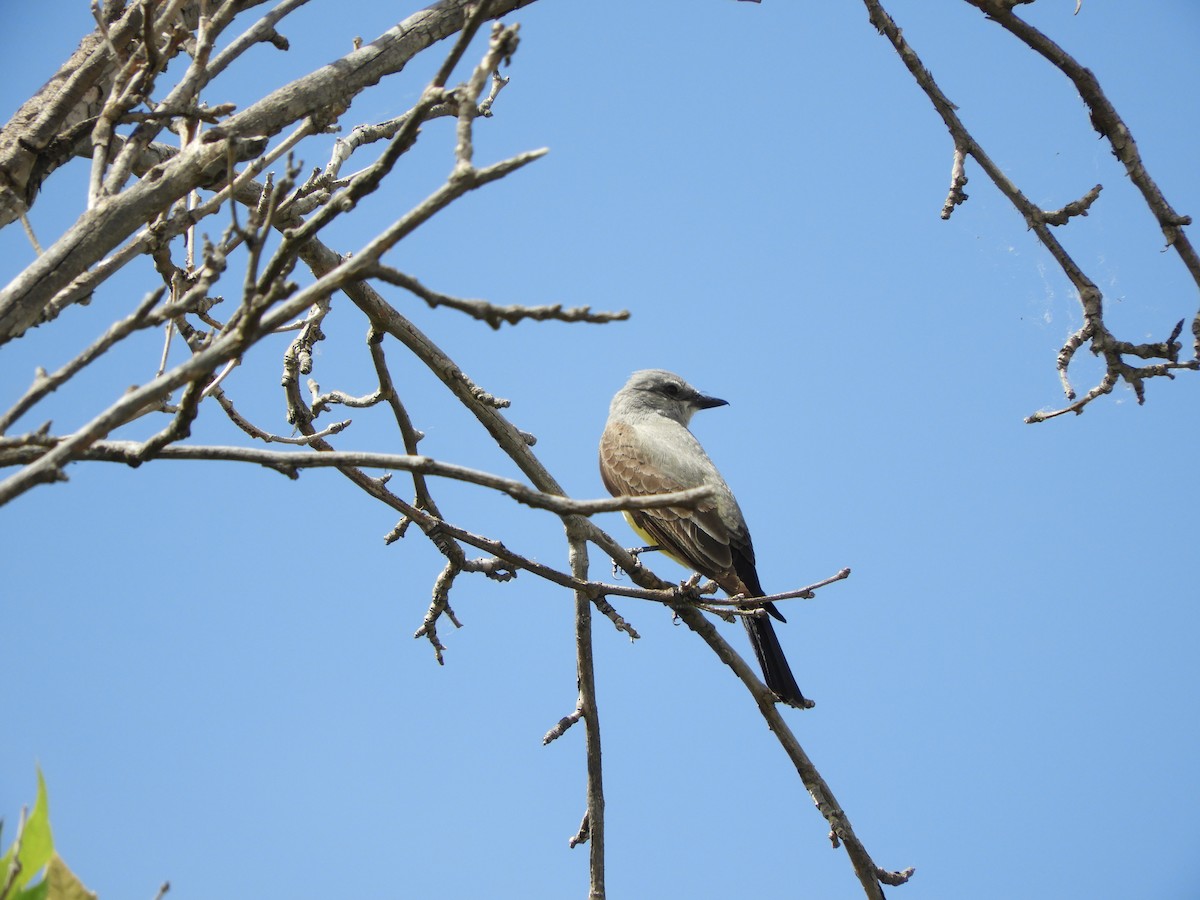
(703,402)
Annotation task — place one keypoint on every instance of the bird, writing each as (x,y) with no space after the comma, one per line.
(647,448)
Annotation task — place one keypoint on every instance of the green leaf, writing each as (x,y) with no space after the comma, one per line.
(63,883)
(37,892)
(37,844)
(5,863)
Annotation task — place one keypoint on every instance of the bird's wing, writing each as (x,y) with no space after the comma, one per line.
(697,537)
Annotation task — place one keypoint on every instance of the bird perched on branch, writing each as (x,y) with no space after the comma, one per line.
(647,449)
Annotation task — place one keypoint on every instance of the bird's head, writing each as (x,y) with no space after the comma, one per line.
(664,393)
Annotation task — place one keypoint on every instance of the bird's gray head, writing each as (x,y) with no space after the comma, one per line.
(662,393)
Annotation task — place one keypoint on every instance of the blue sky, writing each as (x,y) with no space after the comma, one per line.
(214,666)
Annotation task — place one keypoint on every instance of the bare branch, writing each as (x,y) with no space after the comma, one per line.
(752,603)
(437,608)
(44,384)
(581,836)
(270,302)
(30,147)
(173,225)
(314,98)
(289,461)
(1074,208)
(958,180)
(408,433)
(268,438)
(606,609)
(869,875)
(494,315)
(1106,121)
(563,724)
(25,224)
(1108,124)
(577,542)
(262,31)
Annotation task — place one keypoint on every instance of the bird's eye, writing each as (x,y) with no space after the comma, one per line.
(671,389)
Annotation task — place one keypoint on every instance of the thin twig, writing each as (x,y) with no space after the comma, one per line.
(286,461)
(805,593)
(492,314)
(1106,121)
(563,724)
(44,384)
(869,874)
(958,180)
(585,671)
(37,248)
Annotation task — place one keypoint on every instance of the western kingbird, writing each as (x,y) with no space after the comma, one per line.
(647,449)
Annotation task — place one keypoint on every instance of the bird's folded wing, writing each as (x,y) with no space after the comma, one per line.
(695,536)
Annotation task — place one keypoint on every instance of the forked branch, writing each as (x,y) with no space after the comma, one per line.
(1106,121)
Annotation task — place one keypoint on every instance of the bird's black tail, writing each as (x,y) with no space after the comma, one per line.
(776,671)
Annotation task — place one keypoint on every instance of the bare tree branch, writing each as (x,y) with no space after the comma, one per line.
(494,315)
(576,537)
(1105,120)
(144,201)
(320,97)
(841,832)
(21,452)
